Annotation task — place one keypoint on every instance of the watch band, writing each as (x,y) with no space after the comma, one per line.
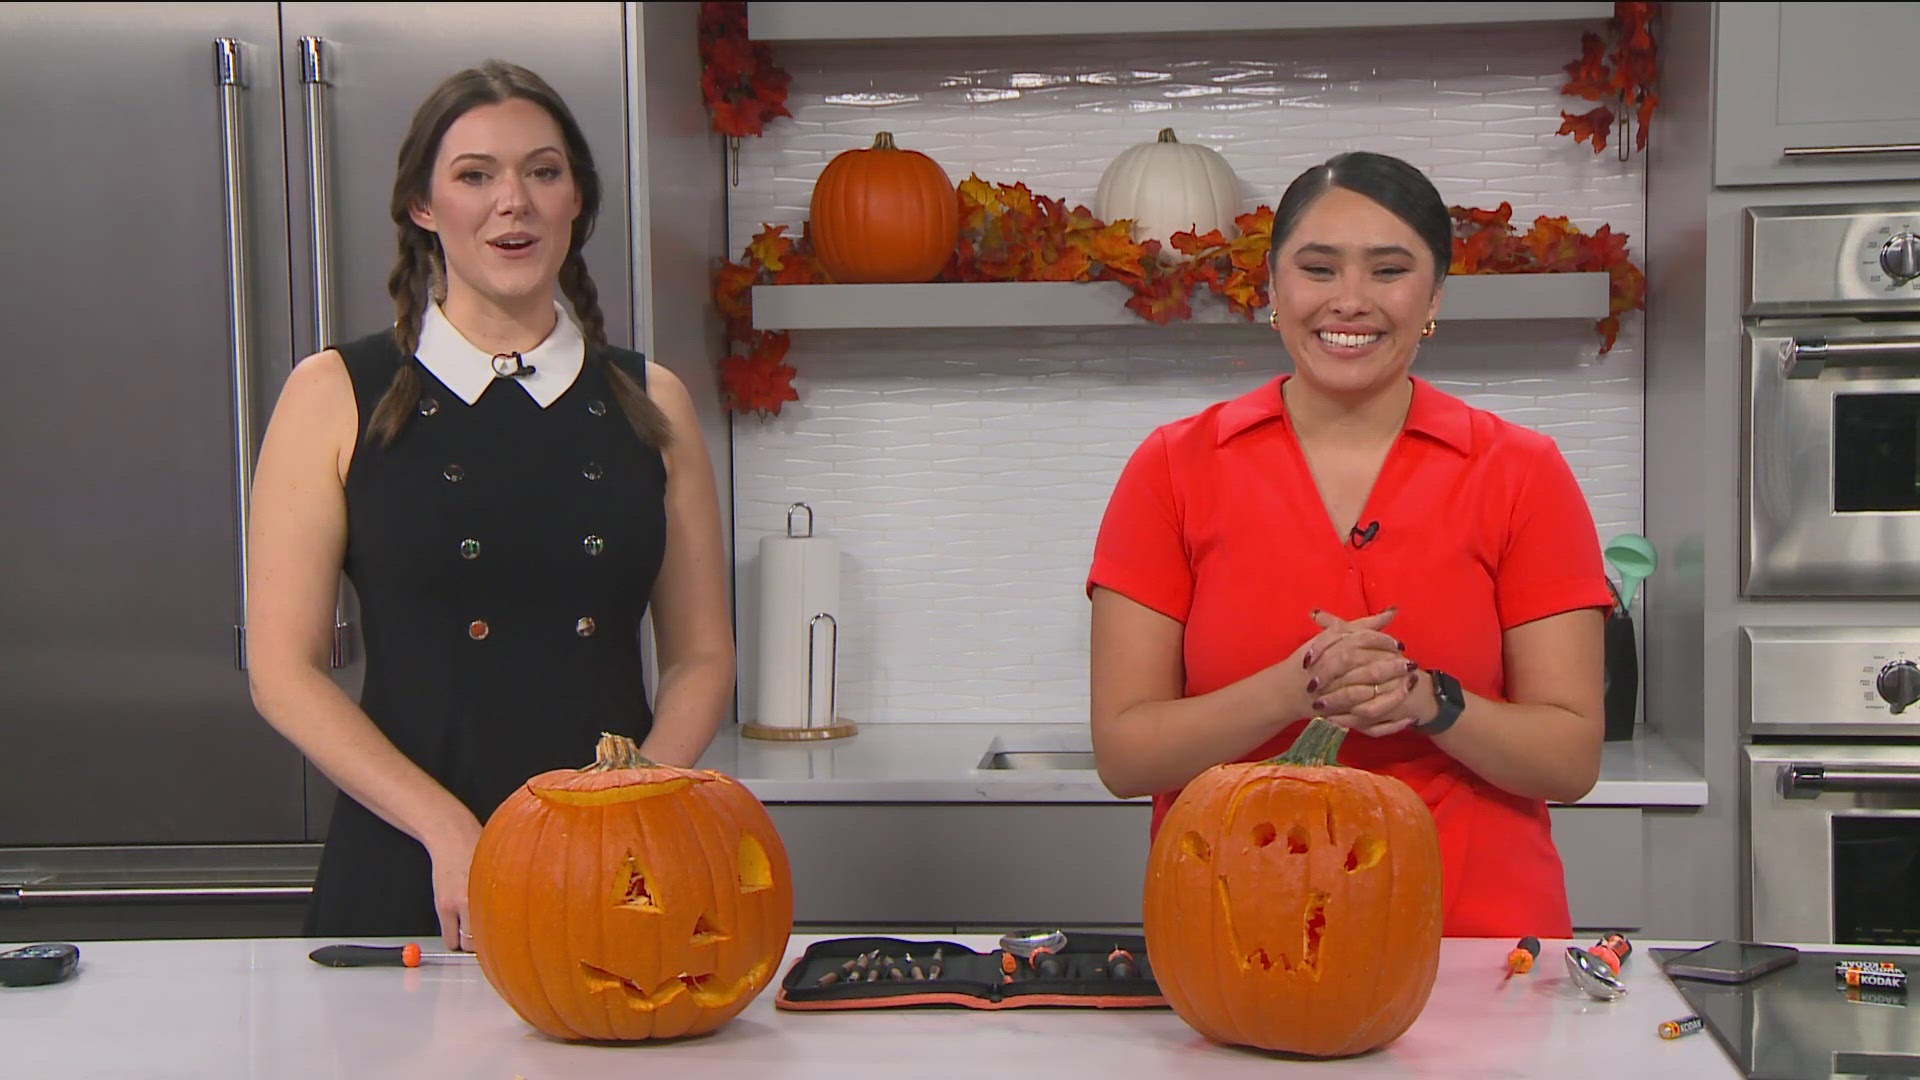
(1452,701)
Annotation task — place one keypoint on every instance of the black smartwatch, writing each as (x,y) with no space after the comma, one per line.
(1452,700)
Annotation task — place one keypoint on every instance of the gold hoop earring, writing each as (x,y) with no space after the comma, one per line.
(1427,330)
(1273,318)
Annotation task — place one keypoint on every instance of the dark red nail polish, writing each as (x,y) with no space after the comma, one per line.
(1307,660)
(1411,666)
(1401,645)
(1313,684)
(1319,704)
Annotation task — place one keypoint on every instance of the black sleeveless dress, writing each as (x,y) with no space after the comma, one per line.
(503,555)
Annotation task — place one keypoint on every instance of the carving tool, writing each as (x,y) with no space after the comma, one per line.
(913,966)
(1045,964)
(933,966)
(839,973)
(408,955)
(1520,960)
(1613,950)
(1121,964)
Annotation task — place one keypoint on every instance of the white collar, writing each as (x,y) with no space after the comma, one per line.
(467,369)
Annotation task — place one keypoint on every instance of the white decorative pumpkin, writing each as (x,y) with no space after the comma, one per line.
(1167,186)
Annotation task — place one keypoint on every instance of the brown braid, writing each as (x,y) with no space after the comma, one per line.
(649,423)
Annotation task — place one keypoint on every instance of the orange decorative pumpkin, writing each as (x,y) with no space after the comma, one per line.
(629,900)
(884,214)
(1294,904)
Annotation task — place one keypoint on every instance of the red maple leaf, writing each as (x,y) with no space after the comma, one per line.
(759,381)
(1594,125)
(1161,300)
(1589,77)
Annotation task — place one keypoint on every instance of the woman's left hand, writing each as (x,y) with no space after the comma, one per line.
(1363,682)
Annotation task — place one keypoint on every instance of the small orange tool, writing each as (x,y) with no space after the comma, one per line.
(1520,960)
(1612,949)
(408,955)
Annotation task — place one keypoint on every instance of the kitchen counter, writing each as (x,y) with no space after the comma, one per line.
(257,1008)
(943,763)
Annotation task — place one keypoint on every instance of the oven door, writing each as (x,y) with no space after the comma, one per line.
(1832,467)
(1833,843)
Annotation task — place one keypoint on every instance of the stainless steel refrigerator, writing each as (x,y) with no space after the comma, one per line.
(195,197)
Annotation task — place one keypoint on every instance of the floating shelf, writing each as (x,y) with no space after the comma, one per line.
(870,22)
(984,305)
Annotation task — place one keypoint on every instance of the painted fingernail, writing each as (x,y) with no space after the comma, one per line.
(1313,684)
(1398,644)
(1411,666)
(1307,660)
(1319,704)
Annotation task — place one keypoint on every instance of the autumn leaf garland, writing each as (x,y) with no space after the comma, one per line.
(1008,233)
(1619,77)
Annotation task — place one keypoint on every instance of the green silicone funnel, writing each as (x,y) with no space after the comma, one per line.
(1631,555)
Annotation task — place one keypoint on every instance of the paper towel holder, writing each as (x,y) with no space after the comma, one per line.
(834,728)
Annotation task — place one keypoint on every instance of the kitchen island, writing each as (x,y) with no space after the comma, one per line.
(258,1008)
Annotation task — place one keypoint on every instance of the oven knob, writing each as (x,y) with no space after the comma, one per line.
(1900,257)
(1899,684)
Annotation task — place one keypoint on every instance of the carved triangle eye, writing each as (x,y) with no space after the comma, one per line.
(634,893)
(704,931)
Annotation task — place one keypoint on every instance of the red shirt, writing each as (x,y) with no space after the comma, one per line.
(1216,521)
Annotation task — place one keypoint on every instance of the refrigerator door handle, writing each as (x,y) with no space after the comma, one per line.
(229,62)
(21,896)
(315,79)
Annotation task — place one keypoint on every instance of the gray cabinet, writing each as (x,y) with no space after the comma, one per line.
(1815,93)
(1602,849)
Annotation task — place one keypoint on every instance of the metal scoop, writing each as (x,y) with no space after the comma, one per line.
(1590,973)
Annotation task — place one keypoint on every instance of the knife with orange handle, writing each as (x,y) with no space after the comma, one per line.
(408,955)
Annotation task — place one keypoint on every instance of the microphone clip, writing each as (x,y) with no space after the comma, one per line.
(510,365)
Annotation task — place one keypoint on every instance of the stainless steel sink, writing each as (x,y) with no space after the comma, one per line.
(1054,760)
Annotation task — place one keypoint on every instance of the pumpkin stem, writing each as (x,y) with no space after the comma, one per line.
(883,141)
(1318,745)
(617,752)
(1166,135)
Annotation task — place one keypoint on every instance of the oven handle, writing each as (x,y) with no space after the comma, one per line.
(1804,781)
(1806,358)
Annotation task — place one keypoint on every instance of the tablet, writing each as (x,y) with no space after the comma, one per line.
(1731,961)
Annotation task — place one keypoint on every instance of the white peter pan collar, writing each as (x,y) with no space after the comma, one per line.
(468,370)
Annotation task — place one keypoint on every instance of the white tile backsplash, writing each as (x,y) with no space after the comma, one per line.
(963,473)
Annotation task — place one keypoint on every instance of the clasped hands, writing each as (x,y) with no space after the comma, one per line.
(1359,677)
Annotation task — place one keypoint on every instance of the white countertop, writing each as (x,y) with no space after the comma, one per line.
(209,1010)
(941,763)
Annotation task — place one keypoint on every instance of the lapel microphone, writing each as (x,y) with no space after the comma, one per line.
(510,365)
(1359,537)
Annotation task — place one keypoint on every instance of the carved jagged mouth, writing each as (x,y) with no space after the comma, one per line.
(701,987)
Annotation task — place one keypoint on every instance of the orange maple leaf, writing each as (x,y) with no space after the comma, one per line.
(1245,291)
(1114,249)
(1258,222)
(1589,77)
(1187,243)
(1162,300)
(1068,264)
(769,248)
(1594,125)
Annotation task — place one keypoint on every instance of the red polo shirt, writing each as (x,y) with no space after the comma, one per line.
(1216,522)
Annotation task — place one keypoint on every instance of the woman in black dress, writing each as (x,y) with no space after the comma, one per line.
(508,493)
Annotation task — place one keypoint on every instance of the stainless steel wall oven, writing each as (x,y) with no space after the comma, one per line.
(1833,784)
(1832,464)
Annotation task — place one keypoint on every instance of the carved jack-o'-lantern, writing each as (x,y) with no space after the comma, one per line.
(629,900)
(1294,904)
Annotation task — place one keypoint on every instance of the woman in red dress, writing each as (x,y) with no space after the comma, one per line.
(1348,541)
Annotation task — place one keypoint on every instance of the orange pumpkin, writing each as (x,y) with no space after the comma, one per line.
(884,214)
(1294,904)
(629,900)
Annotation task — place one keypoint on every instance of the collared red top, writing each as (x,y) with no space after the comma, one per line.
(467,369)
(1481,527)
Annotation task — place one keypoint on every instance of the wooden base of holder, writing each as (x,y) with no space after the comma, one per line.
(799,734)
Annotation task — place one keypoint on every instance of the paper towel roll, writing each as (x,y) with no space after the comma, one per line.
(799,579)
